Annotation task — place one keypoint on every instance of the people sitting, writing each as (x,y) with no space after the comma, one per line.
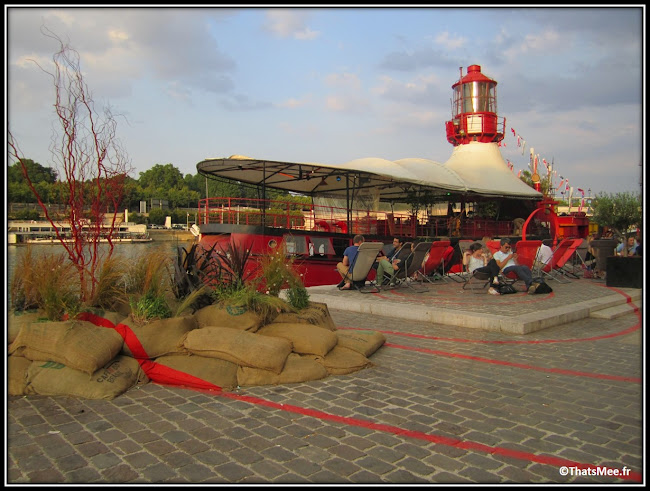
(507,262)
(389,264)
(627,247)
(543,255)
(476,260)
(349,256)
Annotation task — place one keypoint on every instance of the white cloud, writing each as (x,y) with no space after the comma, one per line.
(293,103)
(289,23)
(346,80)
(450,43)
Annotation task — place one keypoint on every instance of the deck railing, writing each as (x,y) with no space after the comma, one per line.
(310,217)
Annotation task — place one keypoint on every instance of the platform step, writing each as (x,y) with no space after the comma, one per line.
(614,312)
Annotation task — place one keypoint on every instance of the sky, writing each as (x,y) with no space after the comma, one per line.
(330,85)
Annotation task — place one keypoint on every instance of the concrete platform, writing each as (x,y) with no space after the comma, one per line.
(447,303)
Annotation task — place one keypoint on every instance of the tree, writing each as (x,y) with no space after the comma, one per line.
(93,167)
(619,211)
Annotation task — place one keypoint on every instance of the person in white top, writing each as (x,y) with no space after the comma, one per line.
(476,259)
(543,256)
(507,261)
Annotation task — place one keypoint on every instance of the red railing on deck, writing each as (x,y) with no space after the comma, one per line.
(297,216)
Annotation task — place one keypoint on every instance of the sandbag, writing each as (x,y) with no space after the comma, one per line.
(17,376)
(228,316)
(115,378)
(77,344)
(306,339)
(296,369)
(17,319)
(316,313)
(214,370)
(160,337)
(341,361)
(364,342)
(240,347)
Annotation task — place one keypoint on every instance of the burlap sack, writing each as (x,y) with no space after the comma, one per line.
(364,342)
(77,344)
(228,316)
(306,339)
(118,376)
(296,369)
(316,313)
(160,337)
(17,319)
(218,372)
(341,361)
(241,347)
(17,376)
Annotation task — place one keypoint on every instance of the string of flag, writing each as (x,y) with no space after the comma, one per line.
(534,163)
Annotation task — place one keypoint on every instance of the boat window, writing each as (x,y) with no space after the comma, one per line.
(322,246)
(295,244)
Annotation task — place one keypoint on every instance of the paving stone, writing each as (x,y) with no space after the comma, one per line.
(415,399)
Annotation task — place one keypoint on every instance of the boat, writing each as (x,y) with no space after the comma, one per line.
(42,232)
(413,198)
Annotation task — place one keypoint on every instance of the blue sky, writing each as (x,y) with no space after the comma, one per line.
(331,85)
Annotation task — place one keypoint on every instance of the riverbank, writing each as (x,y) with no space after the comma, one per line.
(159,235)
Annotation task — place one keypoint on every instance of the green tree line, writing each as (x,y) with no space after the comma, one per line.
(161,182)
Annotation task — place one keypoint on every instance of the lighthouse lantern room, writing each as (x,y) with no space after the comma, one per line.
(474,110)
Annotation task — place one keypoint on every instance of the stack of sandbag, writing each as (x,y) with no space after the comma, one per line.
(17,319)
(157,338)
(116,377)
(75,358)
(235,317)
(17,377)
(315,313)
(79,345)
(364,342)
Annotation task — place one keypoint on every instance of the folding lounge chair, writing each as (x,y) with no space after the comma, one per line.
(549,270)
(412,264)
(434,259)
(476,281)
(402,255)
(362,264)
(563,264)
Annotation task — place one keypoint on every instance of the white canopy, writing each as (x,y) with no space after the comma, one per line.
(473,169)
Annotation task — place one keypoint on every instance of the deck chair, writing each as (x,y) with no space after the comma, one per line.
(412,265)
(361,266)
(434,259)
(527,252)
(550,269)
(564,265)
(402,255)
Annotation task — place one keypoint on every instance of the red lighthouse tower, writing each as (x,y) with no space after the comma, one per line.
(474,110)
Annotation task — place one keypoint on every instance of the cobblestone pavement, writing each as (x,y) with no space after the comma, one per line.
(441,404)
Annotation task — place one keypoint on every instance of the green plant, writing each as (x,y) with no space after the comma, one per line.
(298,297)
(277,272)
(234,272)
(248,296)
(194,269)
(149,307)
